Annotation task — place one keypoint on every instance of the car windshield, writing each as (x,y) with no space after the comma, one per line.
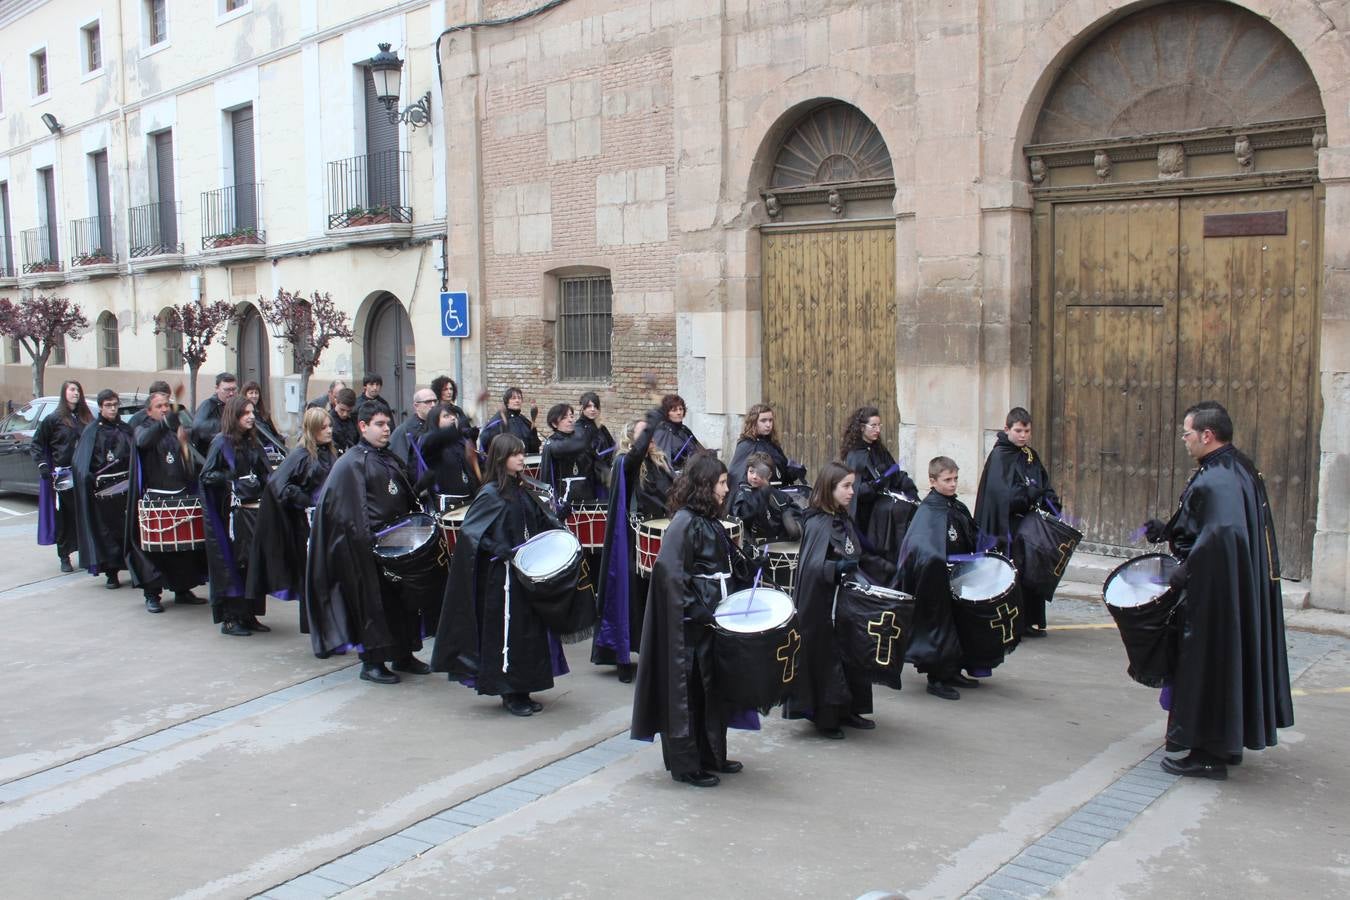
(23,419)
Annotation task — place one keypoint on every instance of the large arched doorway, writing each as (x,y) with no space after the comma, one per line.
(251,356)
(391,353)
(1177,246)
(827,275)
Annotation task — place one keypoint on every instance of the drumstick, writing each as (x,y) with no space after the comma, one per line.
(743,612)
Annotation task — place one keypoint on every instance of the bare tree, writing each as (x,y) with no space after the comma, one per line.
(309,325)
(39,324)
(195,325)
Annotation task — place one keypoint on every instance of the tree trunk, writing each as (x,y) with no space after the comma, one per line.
(304,393)
(40,371)
(192,386)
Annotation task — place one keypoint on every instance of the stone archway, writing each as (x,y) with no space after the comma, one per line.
(251,347)
(390,351)
(1176,250)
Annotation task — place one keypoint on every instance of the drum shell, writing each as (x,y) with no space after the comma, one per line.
(561,579)
(856,615)
(747,669)
(1151,632)
(63,479)
(780,564)
(1041,550)
(419,571)
(648,543)
(171,524)
(589,522)
(987,630)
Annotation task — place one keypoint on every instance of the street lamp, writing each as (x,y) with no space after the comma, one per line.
(386,71)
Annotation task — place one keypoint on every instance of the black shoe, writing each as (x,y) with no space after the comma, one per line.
(1034,632)
(943,690)
(377,673)
(1196,767)
(412,665)
(252,624)
(516,706)
(698,779)
(731,767)
(65,564)
(152,605)
(834,734)
(187,598)
(235,628)
(959,680)
(113,582)
(626,672)
(858,722)
(535,705)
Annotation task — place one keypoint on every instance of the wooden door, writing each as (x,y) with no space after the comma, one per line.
(829,334)
(252,361)
(391,352)
(1151,316)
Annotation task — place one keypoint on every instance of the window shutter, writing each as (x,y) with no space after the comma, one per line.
(381,152)
(245,200)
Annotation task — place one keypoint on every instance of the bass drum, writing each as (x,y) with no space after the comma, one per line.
(551,569)
(755,648)
(410,554)
(984,606)
(872,627)
(1145,608)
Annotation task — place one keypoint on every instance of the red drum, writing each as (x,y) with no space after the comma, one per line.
(589,523)
(169,523)
(451,523)
(650,533)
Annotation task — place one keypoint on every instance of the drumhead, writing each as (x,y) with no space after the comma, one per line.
(406,535)
(653,526)
(985,578)
(546,554)
(754,610)
(1139,581)
(456,516)
(783,548)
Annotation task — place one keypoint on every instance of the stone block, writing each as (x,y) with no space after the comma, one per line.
(947,396)
(847,30)
(505,241)
(536,233)
(626,24)
(695,59)
(507,52)
(609,226)
(659,303)
(947,236)
(560,41)
(504,203)
(561,143)
(611,188)
(557,103)
(753,49)
(649,184)
(615,104)
(586,96)
(586,137)
(627,303)
(1331,571)
(534,198)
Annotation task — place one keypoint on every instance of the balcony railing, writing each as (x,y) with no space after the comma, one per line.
(40,253)
(6,257)
(369,190)
(230,216)
(91,242)
(155,229)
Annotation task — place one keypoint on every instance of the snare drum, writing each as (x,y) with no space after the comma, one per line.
(111,487)
(532,466)
(799,493)
(409,553)
(1041,549)
(549,563)
(589,523)
(780,564)
(170,522)
(872,627)
(755,648)
(985,609)
(649,535)
(451,523)
(1144,606)
(445,503)
(63,479)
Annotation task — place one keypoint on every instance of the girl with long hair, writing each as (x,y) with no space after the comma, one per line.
(601,443)
(268,433)
(885,497)
(759,434)
(53,449)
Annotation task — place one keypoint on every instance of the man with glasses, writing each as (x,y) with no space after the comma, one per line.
(405,444)
(1230,687)
(206,422)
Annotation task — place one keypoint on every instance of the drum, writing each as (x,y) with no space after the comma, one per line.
(649,535)
(780,564)
(63,478)
(170,522)
(1145,609)
(1041,550)
(872,629)
(111,487)
(451,523)
(985,609)
(410,554)
(589,523)
(532,465)
(799,493)
(755,648)
(548,563)
(445,503)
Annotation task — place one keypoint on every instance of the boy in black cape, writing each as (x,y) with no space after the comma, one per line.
(349,602)
(1231,687)
(1015,483)
(102,458)
(767,513)
(942,528)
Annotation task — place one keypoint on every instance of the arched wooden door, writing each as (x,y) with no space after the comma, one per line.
(391,353)
(252,351)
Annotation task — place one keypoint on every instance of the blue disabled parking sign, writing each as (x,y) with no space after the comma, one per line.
(455,314)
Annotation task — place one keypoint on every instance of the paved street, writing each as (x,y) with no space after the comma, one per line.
(149,756)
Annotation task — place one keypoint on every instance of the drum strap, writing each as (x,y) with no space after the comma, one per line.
(506,624)
(720,577)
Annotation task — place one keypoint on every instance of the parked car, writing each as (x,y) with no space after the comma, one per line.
(18,470)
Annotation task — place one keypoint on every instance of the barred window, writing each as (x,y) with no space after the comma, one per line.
(170,347)
(107,341)
(585,325)
(12,351)
(59,351)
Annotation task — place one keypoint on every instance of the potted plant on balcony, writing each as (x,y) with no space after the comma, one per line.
(238,236)
(358,216)
(45,265)
(96,257)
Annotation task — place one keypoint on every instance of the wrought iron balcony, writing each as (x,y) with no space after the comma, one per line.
(6,257)
(91,242)
(40,253)
(369,190)
(230,216)
(155,229)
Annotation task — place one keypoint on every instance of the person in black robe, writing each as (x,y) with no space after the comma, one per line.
(1013,484)
(163,466)
(1231,684)
(103,464)
(451,463)
(941,529)
(672,435)
(371,385)
(277,559)
(326,401)
(639,486)
(53,449)
(759,435)
(827,690)
(206,420)
(766,513)
(598,439)
(349,601)
(885,497)
(447,394)
(566,463)
(490,638)
(676,693)
(139,416)
(346,434)
(232,482)
(406,441)
(510,420)
(266,430)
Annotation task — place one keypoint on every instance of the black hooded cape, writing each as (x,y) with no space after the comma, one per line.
(881,518)
(229,530)
(785,471)
(924,573)
(104,448)
(1231,688)
(678,442)
(158,464)
(277,559)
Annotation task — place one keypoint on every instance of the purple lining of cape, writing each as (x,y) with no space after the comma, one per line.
(614,630)
(46,535)
(1165,697)
(286,594)
(222,532)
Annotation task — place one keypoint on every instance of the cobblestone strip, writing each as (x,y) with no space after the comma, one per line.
(56,776)
(361,865)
